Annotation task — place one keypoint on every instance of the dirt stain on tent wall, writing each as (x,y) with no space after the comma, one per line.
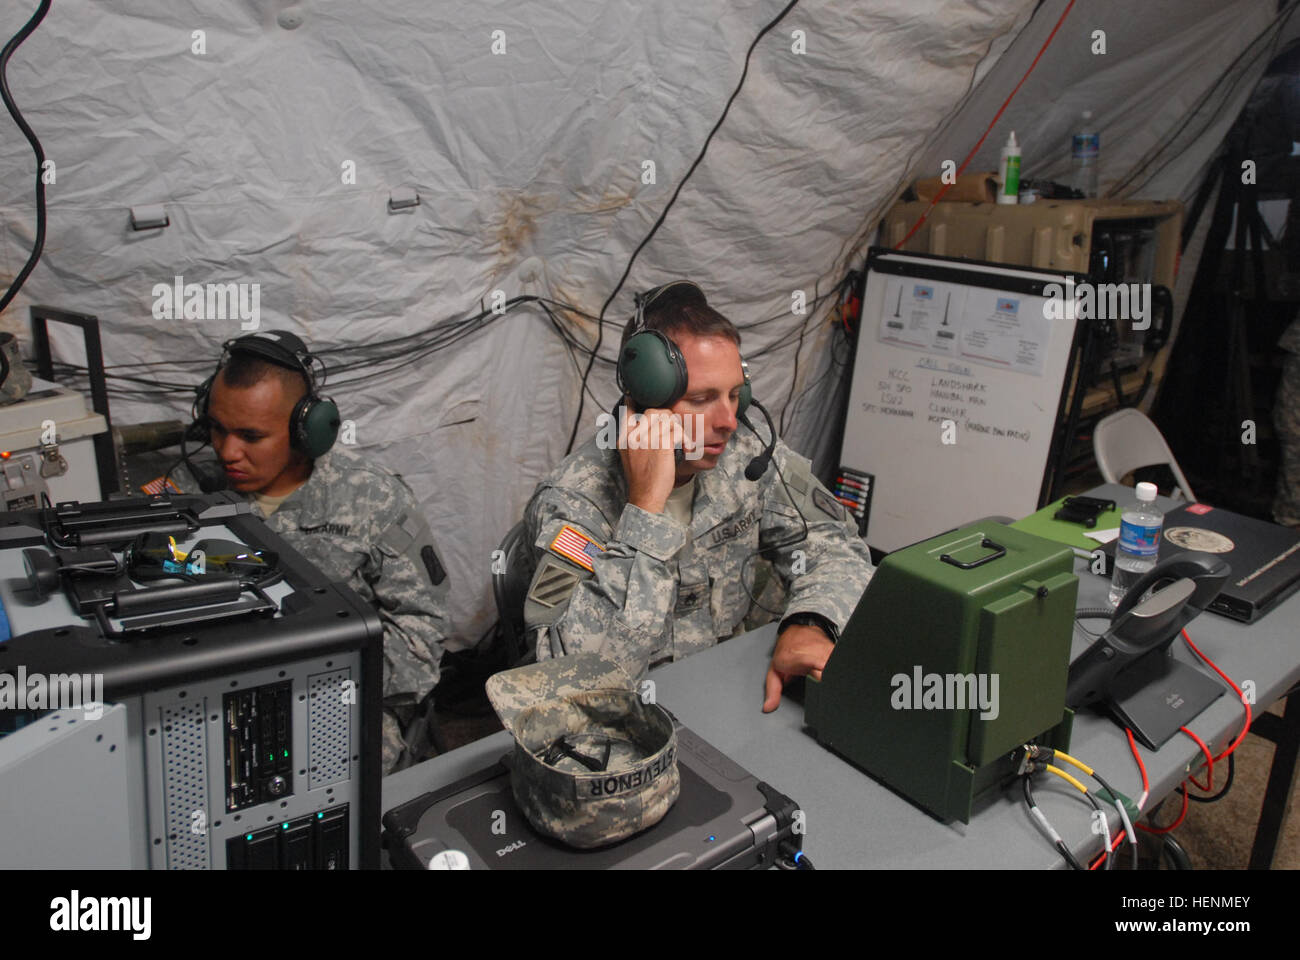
(518,224)
(521,211)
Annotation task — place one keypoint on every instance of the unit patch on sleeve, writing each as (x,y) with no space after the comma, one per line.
(576,546)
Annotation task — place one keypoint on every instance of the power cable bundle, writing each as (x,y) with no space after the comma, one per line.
(1036,759)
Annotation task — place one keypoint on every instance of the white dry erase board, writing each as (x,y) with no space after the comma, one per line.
(958,386)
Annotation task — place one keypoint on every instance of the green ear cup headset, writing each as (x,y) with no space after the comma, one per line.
(651,369)
(314,423)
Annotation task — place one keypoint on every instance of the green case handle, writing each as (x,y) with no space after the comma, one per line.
(987,544)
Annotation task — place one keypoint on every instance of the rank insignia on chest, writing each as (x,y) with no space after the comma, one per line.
(576,546)
(689,599)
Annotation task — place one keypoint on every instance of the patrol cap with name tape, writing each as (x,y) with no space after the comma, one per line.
(592,762)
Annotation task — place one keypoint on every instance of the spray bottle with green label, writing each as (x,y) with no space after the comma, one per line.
(1009,169)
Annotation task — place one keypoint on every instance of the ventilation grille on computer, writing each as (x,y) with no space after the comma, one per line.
(185,778)
(329,724)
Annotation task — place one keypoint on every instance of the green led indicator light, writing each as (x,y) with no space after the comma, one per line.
(284,826)
(319,816)
(286,753)
(248,836)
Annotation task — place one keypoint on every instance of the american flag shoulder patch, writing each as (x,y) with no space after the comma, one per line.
(576,546)
(159,485)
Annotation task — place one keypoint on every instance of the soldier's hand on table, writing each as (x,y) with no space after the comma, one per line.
(646,449)
(801,650)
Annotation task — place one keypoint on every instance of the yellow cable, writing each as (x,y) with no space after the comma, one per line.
(1073,762)
(1065,776)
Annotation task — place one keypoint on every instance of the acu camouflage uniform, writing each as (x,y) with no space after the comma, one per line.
(1286,418)
(361,524)
(657,591)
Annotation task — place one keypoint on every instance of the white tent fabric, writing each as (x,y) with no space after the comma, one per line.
(1171,81)
(1160,70)
(530,163)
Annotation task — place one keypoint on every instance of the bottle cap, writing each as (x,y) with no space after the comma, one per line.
(1146,492)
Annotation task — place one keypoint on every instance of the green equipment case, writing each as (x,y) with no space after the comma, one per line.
(957,654)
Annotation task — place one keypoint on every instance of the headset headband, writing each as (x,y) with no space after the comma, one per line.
(281,348)
(685,290)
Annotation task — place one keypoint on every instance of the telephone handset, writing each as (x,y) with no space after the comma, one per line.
(1207,572)
(1128,667)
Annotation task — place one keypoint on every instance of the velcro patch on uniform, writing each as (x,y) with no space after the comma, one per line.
(552,584)
(798,476)
(690,598)
(827,504)
(399,535)
(436,573)
(576,546)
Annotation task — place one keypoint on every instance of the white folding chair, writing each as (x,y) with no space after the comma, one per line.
(1126,440)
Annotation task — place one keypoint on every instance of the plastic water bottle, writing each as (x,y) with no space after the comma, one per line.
(1085,154)
(1139,541)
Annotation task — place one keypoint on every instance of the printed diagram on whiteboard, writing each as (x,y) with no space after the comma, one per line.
(965,323)
(959,385)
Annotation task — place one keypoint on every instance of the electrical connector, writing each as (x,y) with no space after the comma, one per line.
(1034,758)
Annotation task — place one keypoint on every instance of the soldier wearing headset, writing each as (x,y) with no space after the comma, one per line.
(647,554)
(273,435)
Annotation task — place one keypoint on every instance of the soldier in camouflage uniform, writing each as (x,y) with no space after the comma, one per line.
(618,574)
(354,520)
(1286,417)
(360,524)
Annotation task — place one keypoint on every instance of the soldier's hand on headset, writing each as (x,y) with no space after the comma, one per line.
(646,446)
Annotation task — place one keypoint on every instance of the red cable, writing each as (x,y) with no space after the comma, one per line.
(1209,770)
(1114,846)
(1240,696)
(1173,826)
(1201,743)
(997,116)
(1132,745)
(1146,787)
